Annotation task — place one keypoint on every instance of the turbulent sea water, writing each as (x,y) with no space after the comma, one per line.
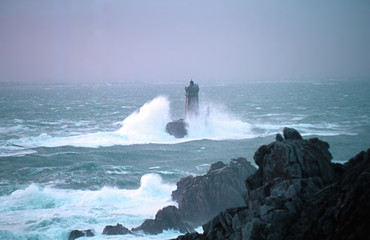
(87,156)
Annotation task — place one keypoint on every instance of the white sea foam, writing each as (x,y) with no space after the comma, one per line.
(49,213)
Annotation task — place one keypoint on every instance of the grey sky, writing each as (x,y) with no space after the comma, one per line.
(173,40)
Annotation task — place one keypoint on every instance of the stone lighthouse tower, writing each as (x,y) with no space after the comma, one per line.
(179,127)
(192,101)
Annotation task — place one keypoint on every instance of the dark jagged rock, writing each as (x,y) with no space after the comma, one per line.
(279,138)
(116,230)
(77,233)
(201,198)
(291,134)
(340,211)
(288,172)
(297,193)
(177,128)
(166,218)
(291,160)
(216,165)
(225,222)
(191,236)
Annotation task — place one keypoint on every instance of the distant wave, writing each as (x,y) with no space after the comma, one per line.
(147,125)
(306,129)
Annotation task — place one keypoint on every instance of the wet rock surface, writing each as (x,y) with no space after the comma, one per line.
(340,211)
(165,219)
(177,128)
(80,233)
(116,230)
(201,198)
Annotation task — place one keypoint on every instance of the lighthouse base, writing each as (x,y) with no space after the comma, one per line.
(178,128)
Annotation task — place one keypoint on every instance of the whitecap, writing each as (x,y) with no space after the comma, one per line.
(52,213)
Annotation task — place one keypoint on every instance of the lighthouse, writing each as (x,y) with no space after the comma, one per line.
(192,100)
(179,127)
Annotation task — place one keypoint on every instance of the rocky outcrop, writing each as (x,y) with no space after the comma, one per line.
(108,230)
(201,198)
(78,233)
(297,193)
(289,171)
(116,230)
(177,128)
(291,134)
(340,211)
(165,219)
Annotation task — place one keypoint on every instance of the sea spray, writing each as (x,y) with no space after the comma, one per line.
(148,123)
(144,126)
(215,123)
(49,213)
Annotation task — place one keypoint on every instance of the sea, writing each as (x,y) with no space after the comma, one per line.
(83,156)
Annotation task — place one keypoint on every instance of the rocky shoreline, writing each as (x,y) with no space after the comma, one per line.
(296,193)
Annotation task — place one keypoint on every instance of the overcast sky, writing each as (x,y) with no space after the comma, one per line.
(174,40)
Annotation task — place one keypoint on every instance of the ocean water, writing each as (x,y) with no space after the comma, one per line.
(87,156)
